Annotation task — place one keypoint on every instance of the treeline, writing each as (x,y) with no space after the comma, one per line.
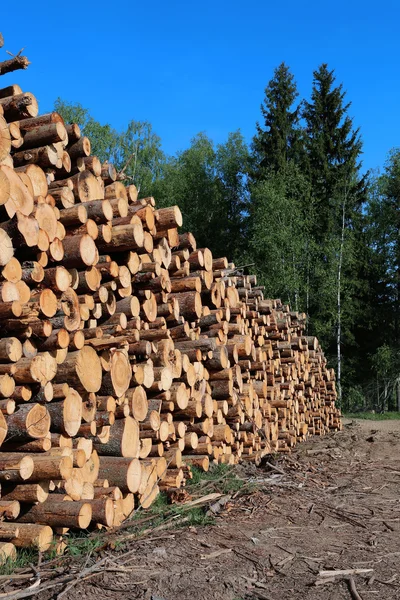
(296,207)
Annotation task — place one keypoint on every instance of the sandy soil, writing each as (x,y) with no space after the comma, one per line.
(337,506)
(367,425)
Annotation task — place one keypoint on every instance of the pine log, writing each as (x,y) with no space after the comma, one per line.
(28,493)
(82,369)
(57,513)
(124,440)
(51,467)
(8,551)
(41,369)
(28,421)
(34,536)
(125,473)
(66,415)
(19,106)
(15,468)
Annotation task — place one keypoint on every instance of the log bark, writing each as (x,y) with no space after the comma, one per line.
(66,415)
(15,468)
(13,64)
(19,106)
(124,440)
(27,493)
(125,473)
(59,514)
(31,535)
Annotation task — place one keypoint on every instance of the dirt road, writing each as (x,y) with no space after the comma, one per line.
(337,506)
(385,426)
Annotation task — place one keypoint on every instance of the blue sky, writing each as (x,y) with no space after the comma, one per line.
(203,66)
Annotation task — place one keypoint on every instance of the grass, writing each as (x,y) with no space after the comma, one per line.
(162,511)
(79,544)
(220,478)
(373,416)
(25,557)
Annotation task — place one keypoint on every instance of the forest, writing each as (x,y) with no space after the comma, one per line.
(295,206)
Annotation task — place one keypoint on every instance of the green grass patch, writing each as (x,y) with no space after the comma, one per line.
(215,473)
(194,517)
(219,478)
(25,557)
(162,511)
(78,544)
(81,544)
(387,416)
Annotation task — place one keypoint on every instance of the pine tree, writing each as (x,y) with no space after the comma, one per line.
(232,167)
(333,150)
(277,139)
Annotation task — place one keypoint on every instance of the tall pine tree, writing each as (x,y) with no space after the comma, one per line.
(333,151)
(277,139)
(279,213)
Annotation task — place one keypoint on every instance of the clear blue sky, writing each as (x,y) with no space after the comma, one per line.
(189,66)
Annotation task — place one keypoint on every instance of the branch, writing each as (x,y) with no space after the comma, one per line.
(1,41)
(352,589)
(244,266)
(14,63)
(121,175)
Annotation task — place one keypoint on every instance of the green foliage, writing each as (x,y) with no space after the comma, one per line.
(136,150)
(277,140)
(384,361)
(162,511)
(81,544)
(209,184)
(387,416)
(383,308)
(333,149)
(141,147)
(355,398)
(160,504)
(195,517)
(279,236)
(103,138)
(222,478)
(307,215)
(25,557)
(215,473)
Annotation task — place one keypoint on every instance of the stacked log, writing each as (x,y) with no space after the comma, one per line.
(128,355)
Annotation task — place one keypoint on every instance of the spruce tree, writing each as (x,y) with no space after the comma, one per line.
(333,150)
(277,139)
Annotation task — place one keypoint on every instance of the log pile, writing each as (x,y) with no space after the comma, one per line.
(128,355)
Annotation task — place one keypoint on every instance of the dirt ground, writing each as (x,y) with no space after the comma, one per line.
(337,506)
